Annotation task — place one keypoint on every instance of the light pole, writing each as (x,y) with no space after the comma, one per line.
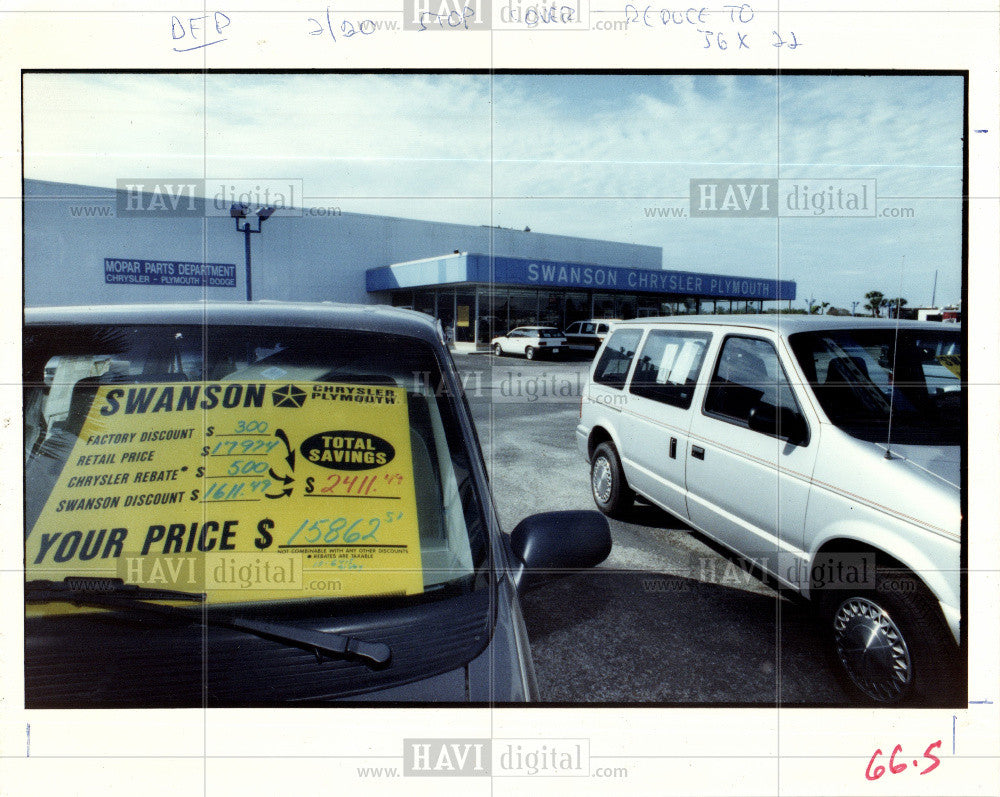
(239,211)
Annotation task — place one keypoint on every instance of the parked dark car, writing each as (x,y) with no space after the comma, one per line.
(267,504)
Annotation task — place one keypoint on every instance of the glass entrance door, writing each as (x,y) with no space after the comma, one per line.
(465,317)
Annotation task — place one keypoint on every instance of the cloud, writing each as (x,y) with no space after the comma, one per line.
(568,154)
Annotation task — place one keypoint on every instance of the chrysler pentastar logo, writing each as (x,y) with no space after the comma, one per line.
(289,396)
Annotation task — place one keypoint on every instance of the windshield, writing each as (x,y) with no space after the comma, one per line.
(860,376)
(252,464)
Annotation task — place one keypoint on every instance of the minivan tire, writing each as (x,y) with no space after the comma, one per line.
(607,482)
(902,617)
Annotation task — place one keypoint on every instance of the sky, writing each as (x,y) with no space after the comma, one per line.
(571,154)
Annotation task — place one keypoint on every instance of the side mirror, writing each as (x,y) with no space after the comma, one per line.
(557,543)
(779,422)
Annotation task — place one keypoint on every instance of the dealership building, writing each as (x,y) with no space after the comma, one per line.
(165,242)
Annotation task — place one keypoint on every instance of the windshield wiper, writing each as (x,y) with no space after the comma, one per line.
(114,593)
(376,654)
(83,589)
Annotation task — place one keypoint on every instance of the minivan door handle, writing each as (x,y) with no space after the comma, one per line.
(673,448)
(697,452)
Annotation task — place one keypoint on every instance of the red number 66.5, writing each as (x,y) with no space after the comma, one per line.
(894,768)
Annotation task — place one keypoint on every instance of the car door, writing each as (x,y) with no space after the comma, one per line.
(657,417)
(571,333)
(596,335)
(583,338)
(508,342)
(748,488)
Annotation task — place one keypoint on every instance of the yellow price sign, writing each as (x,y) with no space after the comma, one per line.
(953,362)
(248,491)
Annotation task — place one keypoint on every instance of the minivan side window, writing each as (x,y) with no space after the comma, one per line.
(612,367)
(668,367)
(747,374)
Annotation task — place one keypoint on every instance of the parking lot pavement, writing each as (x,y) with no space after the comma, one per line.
(667,618)
(641,637)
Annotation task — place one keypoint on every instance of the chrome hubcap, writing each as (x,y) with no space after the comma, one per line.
(871,648)
(600,479)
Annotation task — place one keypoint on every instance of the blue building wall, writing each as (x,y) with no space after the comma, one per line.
(307,258)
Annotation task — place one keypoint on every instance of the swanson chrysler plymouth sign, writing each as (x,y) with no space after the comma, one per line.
(482,269)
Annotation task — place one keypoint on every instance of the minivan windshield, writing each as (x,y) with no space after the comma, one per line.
(251,464)
(862,376)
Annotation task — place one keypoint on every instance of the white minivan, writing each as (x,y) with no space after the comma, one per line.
(826,452)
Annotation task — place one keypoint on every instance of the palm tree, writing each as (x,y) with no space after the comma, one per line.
(876,301)
(896,305)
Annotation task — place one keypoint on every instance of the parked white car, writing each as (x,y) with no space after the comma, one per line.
(827,452)
(530,341)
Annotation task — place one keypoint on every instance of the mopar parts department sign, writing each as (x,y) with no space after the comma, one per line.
(120,271)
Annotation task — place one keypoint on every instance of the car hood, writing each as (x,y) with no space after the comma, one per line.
(146,662)
(916,484)
(942,462)
(447,687)
(502,673)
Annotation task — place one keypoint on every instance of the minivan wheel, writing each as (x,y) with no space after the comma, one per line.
(497,351)
(529,353)
(607,481)
(892,643)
